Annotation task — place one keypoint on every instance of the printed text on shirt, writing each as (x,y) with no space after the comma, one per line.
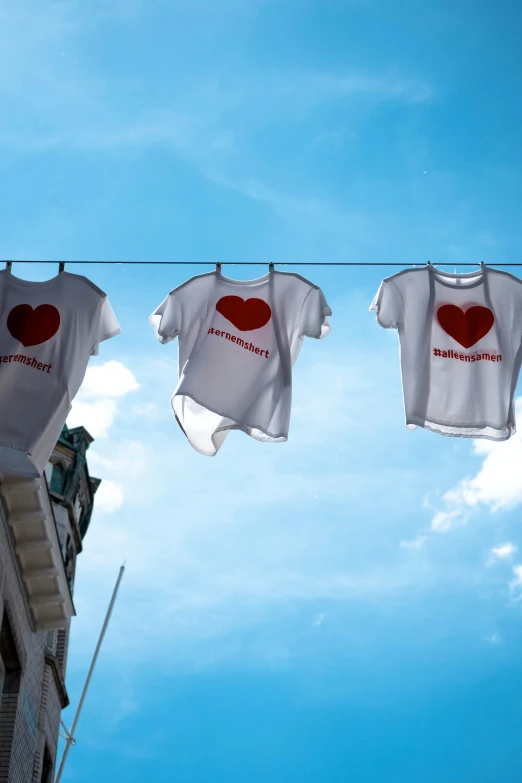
(18,357)
(239,341)
(467,357)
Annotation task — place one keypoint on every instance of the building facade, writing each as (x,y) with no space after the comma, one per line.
(42,526)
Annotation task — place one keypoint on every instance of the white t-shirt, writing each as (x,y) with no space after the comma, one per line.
(461,348)
(238,342)
(48,331)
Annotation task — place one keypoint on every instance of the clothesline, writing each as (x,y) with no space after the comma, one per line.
(258,263)
(460,337)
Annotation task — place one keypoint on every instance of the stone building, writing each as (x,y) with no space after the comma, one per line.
(42,526)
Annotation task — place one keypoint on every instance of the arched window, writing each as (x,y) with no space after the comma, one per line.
(57,479)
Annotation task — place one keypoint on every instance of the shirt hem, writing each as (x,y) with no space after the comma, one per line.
(434,426)
(236,425)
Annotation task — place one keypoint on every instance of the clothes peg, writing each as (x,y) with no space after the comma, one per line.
(8,267)
(61,267)
(218,267)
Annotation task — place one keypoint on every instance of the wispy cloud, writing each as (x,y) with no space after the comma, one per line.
(504,551)
(59,96)
(48,77)
(415,543)
(445,520)
(346,225)
(494,639)
(147,409)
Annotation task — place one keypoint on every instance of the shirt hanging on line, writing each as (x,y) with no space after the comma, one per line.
(48,330)
(460,338)
(238,342)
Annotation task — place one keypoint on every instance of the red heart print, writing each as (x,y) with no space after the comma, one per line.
(244,314)
(32,327)
(468,327)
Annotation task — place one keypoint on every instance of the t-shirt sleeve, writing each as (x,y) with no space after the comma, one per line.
(166,319)
(105,324)
(388,305)
(314,315)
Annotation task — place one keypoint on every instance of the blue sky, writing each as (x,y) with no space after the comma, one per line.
(346,606)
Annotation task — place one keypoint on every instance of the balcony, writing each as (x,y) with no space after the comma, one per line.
(35,539)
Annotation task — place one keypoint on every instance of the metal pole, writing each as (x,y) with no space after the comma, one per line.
(70,738)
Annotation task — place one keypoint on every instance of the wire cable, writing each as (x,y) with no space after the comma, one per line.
(260,263)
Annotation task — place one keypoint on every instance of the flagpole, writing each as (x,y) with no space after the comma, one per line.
(70,735)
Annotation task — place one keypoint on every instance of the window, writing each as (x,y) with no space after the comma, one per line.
(57,479)
(50,642)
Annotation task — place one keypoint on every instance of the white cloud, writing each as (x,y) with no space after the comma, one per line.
(97,416)
(109,497)
(497,484)
(319,619)
(445,520)
(95,408)
(503,551)
(96,404)
(123,469)
(111,379)
(129,459)
(416,543)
